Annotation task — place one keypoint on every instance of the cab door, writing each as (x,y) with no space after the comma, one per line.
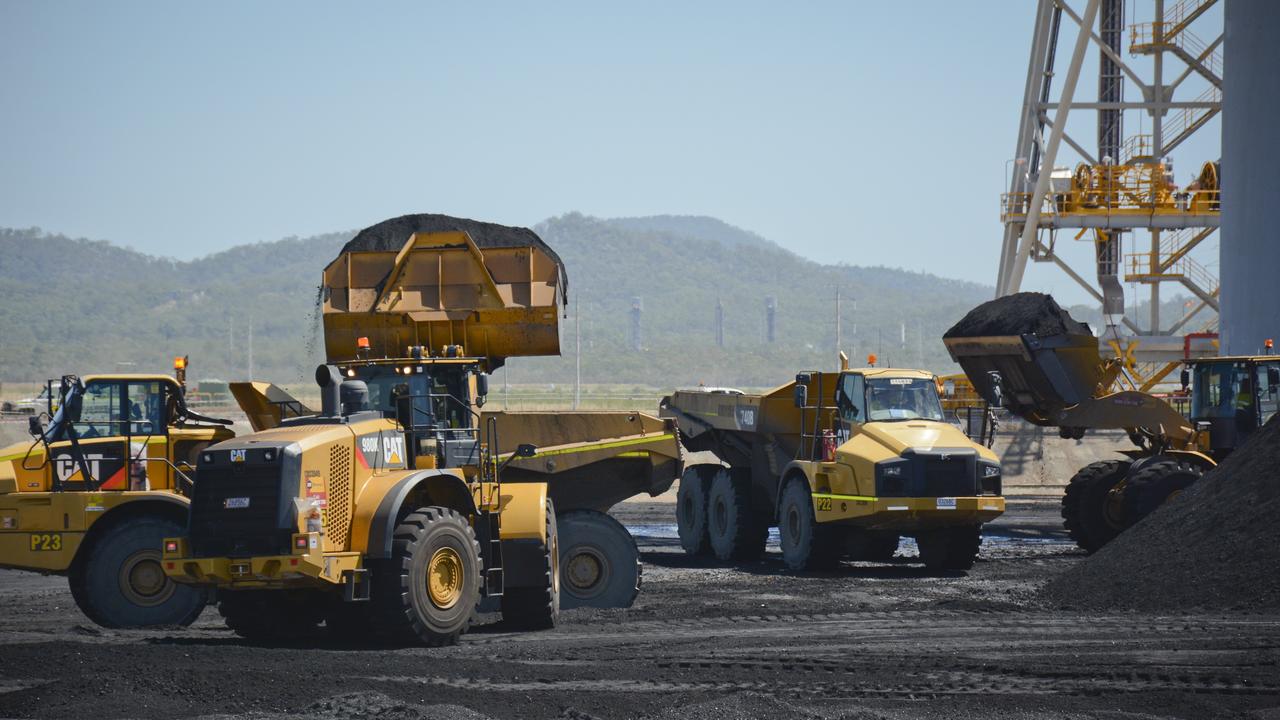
(146,430)
(102,440)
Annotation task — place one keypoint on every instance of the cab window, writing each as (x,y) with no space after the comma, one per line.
(851,398)
(1268,389)
(102,412)
(145,401)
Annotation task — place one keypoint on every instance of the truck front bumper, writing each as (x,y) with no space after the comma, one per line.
(899,513)
(308,566)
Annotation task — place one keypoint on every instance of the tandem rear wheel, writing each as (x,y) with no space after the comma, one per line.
(950,548)
(599,562)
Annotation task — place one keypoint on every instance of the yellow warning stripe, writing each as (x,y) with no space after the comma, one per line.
(860,498)
(596,446)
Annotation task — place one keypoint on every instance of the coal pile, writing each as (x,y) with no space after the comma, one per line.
(390,235)
(1018,314)
(1215,547)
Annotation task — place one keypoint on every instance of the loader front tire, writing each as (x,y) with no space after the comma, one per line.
(119,582)
(1091,513)
(427,591)
(1154,485)
(691,511)
(537,607)
(599,561)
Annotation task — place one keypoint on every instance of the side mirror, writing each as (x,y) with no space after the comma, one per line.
(1273,376)
(801,395)
(997,392)
(1186,379)
(525,450)
(949,388)
(34,427)
(482,388)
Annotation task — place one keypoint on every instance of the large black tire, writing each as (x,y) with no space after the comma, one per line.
(537,607)
(1154,484)
(806,545)
(691,511)
(599,561)
(949,549)
(119,582)
(872,546)
(272,615)
(734,530)
(431,545)
(1090,513)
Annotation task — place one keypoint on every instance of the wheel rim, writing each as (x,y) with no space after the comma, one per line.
(1113,507)
(142,580)
(445,578)
(587,571)
(793,522)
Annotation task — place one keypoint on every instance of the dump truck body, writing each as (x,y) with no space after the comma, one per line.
(92,495)
(863,462)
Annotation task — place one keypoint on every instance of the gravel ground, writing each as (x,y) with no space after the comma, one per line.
(752,641)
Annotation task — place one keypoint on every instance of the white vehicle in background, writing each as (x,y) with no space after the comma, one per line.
(28,406)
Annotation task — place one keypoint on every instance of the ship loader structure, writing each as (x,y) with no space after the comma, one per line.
(844,464)
(403,505)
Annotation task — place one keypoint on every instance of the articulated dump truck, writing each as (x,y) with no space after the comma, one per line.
(1026,354)
(402,505)
(844,464)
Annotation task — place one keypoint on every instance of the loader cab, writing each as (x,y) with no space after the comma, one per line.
(1232,397)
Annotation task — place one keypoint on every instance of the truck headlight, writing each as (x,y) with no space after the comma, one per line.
(990,471)
(893,471)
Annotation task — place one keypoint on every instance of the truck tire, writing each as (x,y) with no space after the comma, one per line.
(691,512)
(538,607)
(271,615)
(119,582)
(806,545)
(1154,484)
(1090,513)
(427,591)
(734,530)
(949,549)
(599,561)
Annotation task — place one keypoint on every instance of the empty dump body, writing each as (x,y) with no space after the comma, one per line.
(591,460)
(441,289)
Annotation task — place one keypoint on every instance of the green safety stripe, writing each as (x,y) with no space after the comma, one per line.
(598,446)
(860,498)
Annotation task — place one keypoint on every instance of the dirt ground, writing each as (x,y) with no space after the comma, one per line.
(752,641)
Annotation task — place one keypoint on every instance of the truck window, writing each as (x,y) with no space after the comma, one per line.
(146,408)
(1268,392)
(890,399)
(1222,390)
(851,400)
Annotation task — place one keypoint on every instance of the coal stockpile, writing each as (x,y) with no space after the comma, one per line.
(390,235)
(1018,314)
(1214,547)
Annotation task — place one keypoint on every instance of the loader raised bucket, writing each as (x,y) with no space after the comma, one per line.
(1043,360)
(480,289)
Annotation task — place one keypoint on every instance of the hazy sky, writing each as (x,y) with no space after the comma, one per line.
(868,133)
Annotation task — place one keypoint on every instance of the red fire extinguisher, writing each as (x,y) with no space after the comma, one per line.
(828,446)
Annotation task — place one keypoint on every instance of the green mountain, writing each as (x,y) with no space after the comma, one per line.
(90,306)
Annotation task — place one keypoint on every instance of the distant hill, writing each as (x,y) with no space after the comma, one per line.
(90,306)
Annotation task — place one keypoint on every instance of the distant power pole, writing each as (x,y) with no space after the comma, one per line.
(837,323)
(771,318)
(719,323)
(637,307)
(250,348)
(577,355)
(231,346)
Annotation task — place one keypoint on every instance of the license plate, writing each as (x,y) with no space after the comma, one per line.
(46,542)
(234,503)
(946,503)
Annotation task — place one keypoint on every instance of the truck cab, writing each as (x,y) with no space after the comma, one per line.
(1231,397)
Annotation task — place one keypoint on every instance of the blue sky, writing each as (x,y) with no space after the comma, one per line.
(866,133)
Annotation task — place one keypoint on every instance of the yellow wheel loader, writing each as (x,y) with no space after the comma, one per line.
(1025,354)
(99,488)
(402,506)
(844,464)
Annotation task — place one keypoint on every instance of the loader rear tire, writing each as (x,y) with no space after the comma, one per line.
(271,615)
(1155,484)
(949,549)
(427,591)
(1092,515)
(734,530)
(599,561)
(691,511)
(119,582)
(806,545)
(538,607)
